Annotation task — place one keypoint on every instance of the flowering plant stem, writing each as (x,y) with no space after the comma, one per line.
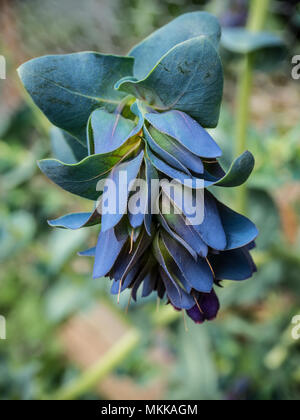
(99,370)
(257,15)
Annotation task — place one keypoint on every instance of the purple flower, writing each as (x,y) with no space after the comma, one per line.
(206,308)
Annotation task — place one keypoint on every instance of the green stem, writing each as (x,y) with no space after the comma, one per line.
(257,15)
(243,105)
(99,370)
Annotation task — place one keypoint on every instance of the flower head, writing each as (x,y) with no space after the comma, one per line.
(139,124)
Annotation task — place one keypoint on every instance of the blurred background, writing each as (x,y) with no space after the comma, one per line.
(60,322)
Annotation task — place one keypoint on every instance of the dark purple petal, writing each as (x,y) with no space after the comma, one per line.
(197,316)
(209,303)
(207,308)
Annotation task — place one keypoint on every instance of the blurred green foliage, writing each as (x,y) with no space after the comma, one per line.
(248,352)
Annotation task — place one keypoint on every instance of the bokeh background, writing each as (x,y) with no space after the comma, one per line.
(60,322)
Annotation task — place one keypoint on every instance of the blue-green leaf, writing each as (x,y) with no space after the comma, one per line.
(115,287)
(237,174)
(187,26)
(67,88)
(176,150)
(235,264)
(107,250)
(65,147)
(179,224)
(211,229)
(186,131)
(131,167)
(138,201)
(82,178)
(128,260)
(178,297)
(198,274)
(151,174)
(188,78)
(185,244)
(76,220)
(164,154)
(174,272)
(176,294)
(149,283)
(90,252)
(267,49)
(188,180)
(173,173)
(108,132)
(239,230)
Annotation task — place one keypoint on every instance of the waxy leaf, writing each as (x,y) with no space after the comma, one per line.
(174,235)
(179,224)
(67,88)
(129,259)
(174,174)
(152,193)
(186,131)
(116,289)
(76,220)
(211,229)
(197,273)
(176,294)
(185,200)
(174,148)
(108,132)
(238,173)
(107,250)
(188,78)
(236,264)
(266,49)
(149,282)
(144,274)
(243,41)
(173,270)
(187,26)
(165,155)
(178,297)
(91,252)
(239,230)
(81,178)
(138,201)
(131,168)
(65,147)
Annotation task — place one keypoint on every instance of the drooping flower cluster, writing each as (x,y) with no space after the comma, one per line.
(142,118)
